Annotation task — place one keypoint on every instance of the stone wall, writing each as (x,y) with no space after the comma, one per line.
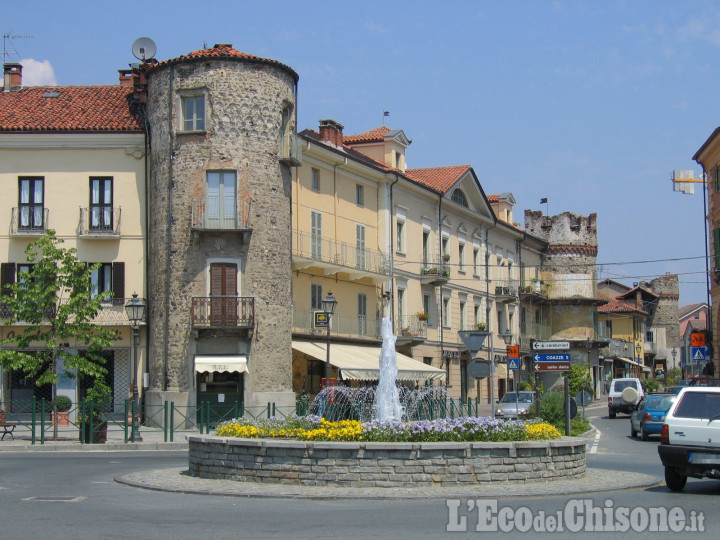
(369,464)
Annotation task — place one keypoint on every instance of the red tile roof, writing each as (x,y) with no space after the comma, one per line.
(73,109)
(438,178)
(223,50)
(615,305)
(374,135)
(493,198)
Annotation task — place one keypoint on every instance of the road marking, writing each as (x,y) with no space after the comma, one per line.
(54,499)
(596,442)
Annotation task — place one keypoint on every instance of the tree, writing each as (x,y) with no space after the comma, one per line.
(51,306)
(580,378)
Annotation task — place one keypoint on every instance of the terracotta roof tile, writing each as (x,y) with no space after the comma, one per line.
(493,198)
(615,305)
(438,178)
(72,109)
(374,135)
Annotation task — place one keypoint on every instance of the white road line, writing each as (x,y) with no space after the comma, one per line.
(596,442)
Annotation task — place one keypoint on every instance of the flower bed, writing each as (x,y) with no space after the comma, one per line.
(315,428)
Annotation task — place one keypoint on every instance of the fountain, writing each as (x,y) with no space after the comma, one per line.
(387,398)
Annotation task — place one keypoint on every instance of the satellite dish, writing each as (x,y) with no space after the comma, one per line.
(144,48)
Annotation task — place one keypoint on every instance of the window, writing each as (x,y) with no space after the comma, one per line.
(221,200)
(315,296)
(223,294)
(459,197)
(315,182)
(400,236)
(101,204)
(426,247)
(398,161)
(109,277)
(476,313)
(426,304)
(362,314)
(193,113)
(716,245)
(361,257)
(461,257)
(446,312)
(463,322)
(523,321)
(476,262)
(31,203)
(444,246)
(316,234)
(401,306)
(717,178)
(359,195)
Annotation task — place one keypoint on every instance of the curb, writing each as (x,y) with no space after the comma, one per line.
(107,447)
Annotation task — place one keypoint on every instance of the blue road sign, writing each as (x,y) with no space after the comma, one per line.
(699,353)
(557,357)
(513,363)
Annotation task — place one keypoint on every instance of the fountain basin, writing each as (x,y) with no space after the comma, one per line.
(379,464)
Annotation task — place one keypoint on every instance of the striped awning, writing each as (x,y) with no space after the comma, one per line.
(221,363)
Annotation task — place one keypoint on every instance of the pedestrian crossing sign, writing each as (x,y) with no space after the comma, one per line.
(513,363)
(699,353)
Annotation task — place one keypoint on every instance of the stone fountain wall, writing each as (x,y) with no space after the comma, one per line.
(357,464)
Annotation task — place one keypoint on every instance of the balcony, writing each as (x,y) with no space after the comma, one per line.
(213,215)
(223,312)
(332,257)
(290,150)
(506,291)
(99,222)
(434,272)
(410,329)
(342,325)
(112,312)
(29,221)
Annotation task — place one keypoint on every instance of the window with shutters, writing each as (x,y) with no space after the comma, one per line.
(361,257)
(31,203)
(315,185)
(101,204)
(716,246)
(426,247)
(316,296)
(316,235)
(362,314)
(461,257)
(223,294)
(221,200)
(109,277)
(446,312)
(359,195)
(400,236)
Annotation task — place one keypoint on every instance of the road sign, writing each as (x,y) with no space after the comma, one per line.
(552,366)
(473,340)
(556,357)
(513,351)
(697,339)
(550,345)
(584,397)
(513,363)
(479,369)
(699,353)
(322,319)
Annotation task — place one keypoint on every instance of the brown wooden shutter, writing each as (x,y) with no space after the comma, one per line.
(118,282)
(7,277)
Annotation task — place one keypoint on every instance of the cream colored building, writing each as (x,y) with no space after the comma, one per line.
(72,159)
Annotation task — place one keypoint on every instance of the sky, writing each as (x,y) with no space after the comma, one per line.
(590,104)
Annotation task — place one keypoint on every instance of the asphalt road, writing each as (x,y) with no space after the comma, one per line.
(73,495)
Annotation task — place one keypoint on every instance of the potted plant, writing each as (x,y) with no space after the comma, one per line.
(62,406)
(481,326)
(423,315)
(446,257)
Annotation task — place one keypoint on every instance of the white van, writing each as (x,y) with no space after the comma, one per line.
(624,395)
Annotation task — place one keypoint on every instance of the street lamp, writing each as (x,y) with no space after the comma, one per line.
(674,354)
(328,304)
(508,339)
(135,309)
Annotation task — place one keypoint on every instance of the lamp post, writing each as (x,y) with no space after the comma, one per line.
(508,338)
(674,354)
(135,309)
(328,304)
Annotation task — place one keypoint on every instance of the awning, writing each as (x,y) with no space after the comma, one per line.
(362,362)
(221,363)
(629,361)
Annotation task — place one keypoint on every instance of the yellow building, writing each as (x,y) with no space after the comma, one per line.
(622,325)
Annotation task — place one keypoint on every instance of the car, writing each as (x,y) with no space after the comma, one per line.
(624,395)
(506,407)
(649,415)
(674,389)
(690,437)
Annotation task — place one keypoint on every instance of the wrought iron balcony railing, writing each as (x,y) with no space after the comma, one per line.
(435,271)
(357,326)
(216,214)
(313,248)
(29,221)
(223,312)
(100,222)
(411,326)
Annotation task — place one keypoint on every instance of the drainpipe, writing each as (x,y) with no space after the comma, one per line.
(440,318)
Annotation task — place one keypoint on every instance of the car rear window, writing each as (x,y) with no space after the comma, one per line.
(698,405)
(622,385)
(659,403)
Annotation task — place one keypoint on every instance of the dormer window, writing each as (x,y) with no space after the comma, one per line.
(459,197)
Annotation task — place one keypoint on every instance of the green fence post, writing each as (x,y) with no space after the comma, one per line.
(207,417)
(268,409)
(32,437)
(91,417)
(125,421)
(172,421)
(274,413)
(165,420)
(42,420)
(235,409)
(242,410)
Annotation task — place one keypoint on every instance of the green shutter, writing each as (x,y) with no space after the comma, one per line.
(716,246)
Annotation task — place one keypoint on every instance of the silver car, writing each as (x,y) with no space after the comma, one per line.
(514,404)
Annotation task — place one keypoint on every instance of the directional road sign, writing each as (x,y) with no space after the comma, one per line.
(550,345)
(513,363)
(552,366)
(556,357)
(697,339)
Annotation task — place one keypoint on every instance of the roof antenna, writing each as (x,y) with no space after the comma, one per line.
(385,113)
(7,39)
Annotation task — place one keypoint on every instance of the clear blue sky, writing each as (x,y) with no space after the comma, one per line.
(591,104)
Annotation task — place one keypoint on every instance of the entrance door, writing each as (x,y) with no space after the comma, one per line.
(223,294)
(222,392)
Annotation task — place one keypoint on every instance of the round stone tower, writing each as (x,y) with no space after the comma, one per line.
(221,129)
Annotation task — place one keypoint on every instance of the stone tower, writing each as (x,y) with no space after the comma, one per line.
(221,128)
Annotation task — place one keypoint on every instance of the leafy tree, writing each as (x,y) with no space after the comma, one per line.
(673,376)
(579,378)
(50,307)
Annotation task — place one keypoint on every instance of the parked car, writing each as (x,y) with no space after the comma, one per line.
(649,415)
(505,408)
(624,395)
(689,442)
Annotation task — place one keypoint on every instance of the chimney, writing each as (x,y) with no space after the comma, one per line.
(12,76)
(126,77)
(331,132)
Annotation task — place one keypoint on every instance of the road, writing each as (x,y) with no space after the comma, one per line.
(51,495)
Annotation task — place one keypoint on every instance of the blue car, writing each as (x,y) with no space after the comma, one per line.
(649,415)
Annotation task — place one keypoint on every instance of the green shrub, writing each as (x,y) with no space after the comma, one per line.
(552,408)
(63,403)
(651,385)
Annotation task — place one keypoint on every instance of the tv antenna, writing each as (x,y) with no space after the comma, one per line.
(7,40)
(144,48)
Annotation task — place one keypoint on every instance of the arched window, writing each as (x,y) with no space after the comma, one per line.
(459,197)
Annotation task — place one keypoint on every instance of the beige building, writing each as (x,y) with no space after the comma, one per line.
(73,160)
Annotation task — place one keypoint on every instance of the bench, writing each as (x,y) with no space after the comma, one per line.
(8,427)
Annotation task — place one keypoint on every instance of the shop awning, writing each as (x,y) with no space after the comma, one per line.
(629,361)
(221,363)
(362,362)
